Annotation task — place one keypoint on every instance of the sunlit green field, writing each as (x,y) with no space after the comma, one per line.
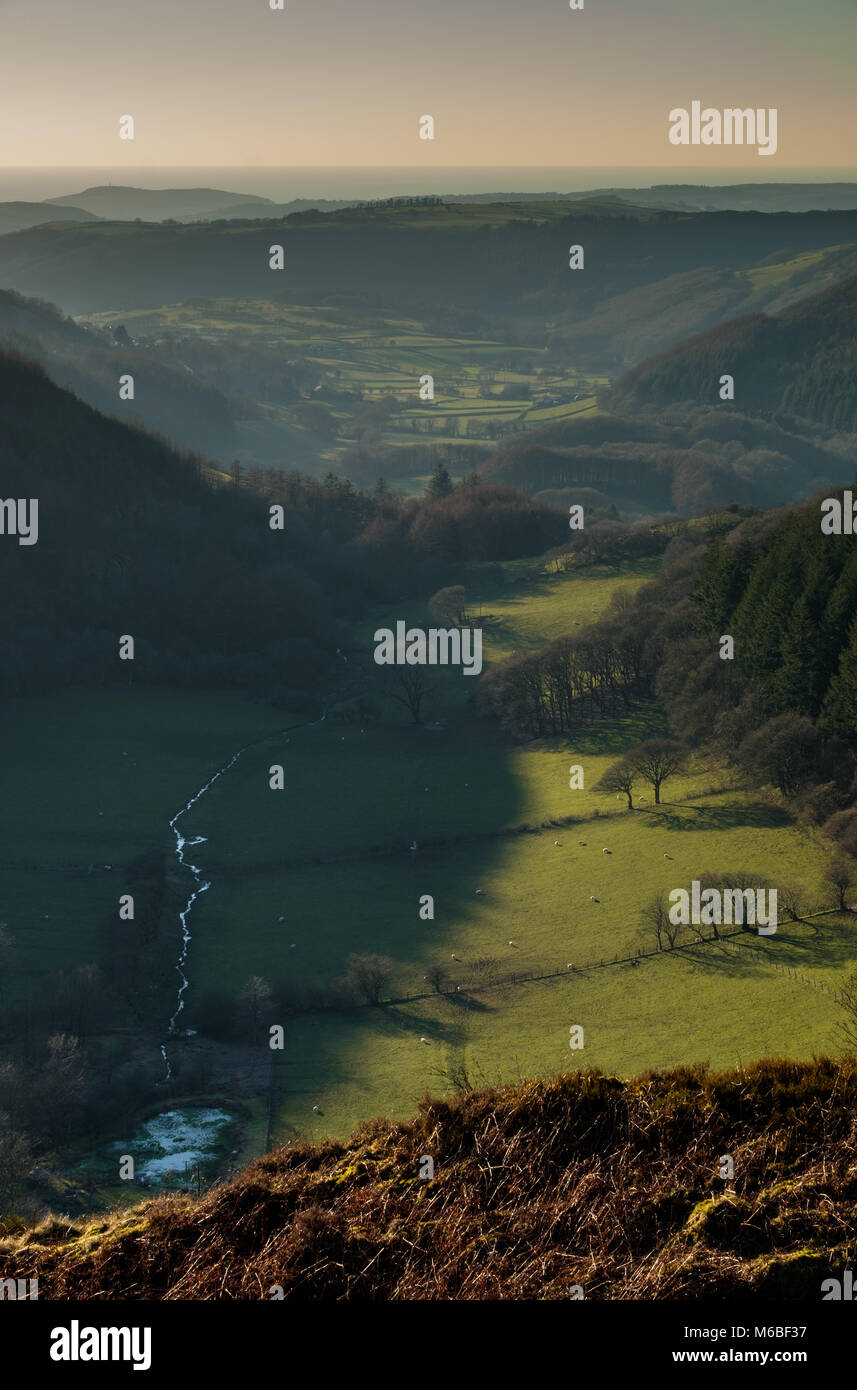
(381,357)
(303,877)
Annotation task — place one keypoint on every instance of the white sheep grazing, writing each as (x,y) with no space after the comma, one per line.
(480,893)
(511,943)
(667,856)
(592,900)
(607,851)
(424,1040)
(454,956)
(316,1110)
(556,842)
(570,965)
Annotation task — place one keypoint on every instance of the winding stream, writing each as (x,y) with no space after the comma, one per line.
(201,885)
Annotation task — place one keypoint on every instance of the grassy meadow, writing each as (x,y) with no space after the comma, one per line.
(305,876)
(483,388)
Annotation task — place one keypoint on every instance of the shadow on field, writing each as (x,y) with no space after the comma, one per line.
(400,1020)
(460,1000)
(722,960)
(732,816)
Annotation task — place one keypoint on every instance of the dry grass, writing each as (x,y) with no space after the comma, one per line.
(585,1180)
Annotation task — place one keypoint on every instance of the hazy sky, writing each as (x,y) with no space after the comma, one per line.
(342,82)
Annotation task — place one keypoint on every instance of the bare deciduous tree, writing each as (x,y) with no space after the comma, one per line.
(656,760)
(656,921)
(450,605)
(620,778)
(367,975)
(839,877)
(409,686)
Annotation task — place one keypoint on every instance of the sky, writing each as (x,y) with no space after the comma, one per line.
(344,82)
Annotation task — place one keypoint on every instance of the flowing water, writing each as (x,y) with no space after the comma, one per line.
(201,885)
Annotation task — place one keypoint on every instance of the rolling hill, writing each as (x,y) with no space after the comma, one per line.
(800,362)
(116,202)
(168,397)
(15,217)
(502,260)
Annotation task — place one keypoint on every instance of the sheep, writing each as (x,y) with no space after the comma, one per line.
(511,943)
(581,842)
(316,1110)
(570,965)
(480,893)
(558,843)
(424,1040)
(454,956)
(667,856)
(592,900)
(607,851)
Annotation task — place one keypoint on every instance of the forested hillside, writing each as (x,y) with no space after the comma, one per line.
(135,539)
(168,397)
(496,259)
(685,460)
(802,362)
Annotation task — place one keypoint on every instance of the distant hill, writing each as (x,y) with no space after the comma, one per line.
(15,217)
(115,202)
(495,259)
(583,1180)
(168,398)
(737,197)
(802,361)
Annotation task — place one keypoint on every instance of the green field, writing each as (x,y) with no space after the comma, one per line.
(330,856)
(361,358)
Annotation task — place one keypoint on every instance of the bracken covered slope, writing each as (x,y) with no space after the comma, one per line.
(584,1180)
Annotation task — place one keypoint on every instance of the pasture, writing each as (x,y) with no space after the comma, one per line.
(303,877)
